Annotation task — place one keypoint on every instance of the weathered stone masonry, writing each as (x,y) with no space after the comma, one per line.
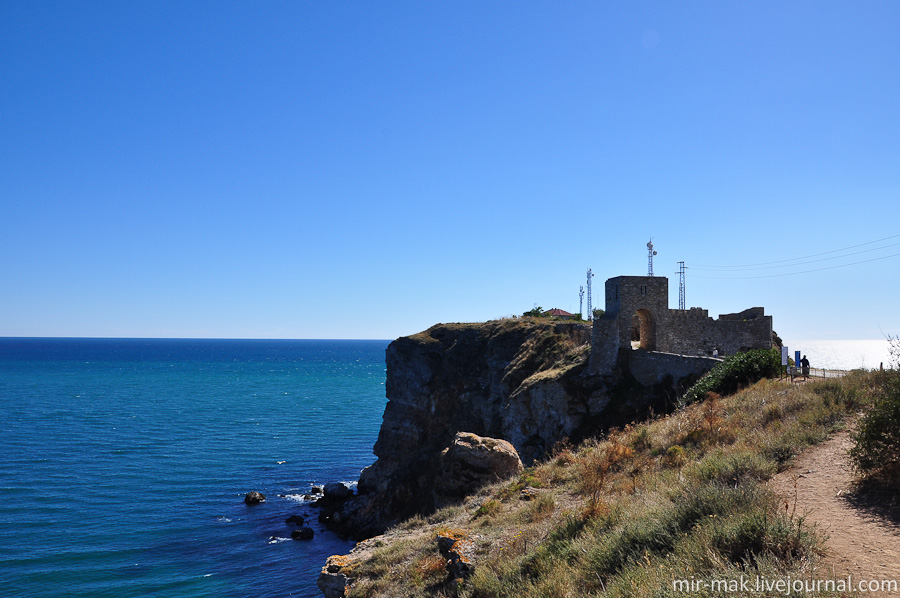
(642,302)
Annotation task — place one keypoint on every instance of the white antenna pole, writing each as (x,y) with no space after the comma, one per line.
(650,254)
(580,301)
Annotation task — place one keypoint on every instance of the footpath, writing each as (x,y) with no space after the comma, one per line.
(863,534)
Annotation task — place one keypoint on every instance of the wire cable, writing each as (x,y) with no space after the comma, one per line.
(800,258)
(874,259)
(823,259)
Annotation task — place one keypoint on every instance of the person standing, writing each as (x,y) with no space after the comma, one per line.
(804,363)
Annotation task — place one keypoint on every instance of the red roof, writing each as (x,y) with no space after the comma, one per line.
(557,312)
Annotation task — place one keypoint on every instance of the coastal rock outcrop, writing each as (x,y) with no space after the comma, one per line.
(521,381)
(472,461)
(303,533)
(333,579)
(459,549)
(254,498)
(337,492)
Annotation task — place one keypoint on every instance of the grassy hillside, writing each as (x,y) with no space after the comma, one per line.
(680,497)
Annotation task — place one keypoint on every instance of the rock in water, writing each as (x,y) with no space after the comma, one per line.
(337,492)
(472,461)
(295,520)
(254,498)
(303,533)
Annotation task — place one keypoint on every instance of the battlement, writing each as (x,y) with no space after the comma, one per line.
(637,315)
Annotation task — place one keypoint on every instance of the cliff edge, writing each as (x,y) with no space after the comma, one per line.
(525,381)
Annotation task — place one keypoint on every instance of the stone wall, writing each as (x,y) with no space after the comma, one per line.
(652,367)
(643,301)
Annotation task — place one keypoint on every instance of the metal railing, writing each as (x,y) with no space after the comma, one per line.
(797,372)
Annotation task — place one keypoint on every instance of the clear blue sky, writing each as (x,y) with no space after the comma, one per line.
(367,169)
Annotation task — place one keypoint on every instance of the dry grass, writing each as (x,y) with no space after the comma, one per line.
(625,515)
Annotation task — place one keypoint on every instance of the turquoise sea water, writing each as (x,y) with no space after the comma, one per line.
(125,462)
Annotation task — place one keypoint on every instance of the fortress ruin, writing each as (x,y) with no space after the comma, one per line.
(681,341)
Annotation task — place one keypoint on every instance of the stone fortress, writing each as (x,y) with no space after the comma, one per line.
(671,341)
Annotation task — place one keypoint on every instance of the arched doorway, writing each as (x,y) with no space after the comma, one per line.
(643,330)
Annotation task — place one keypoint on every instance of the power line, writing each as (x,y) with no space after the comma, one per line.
(823,259)
(874,259)
(803,257)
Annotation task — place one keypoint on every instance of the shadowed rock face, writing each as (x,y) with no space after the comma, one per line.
(516,380)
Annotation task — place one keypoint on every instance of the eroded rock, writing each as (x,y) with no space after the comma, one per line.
(472,461)
(459,549)
(333,578)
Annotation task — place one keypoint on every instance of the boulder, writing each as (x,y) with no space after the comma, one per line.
(472,461)
(303,533)
(254,498)
(458,548)
(337,492)
(295,520)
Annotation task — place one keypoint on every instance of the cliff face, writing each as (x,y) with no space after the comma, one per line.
(525,381)
(518,380)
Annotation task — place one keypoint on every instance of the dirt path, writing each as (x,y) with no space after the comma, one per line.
(862,542)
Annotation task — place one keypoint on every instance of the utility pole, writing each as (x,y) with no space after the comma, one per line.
(681,269)
(580,301)
(590,309)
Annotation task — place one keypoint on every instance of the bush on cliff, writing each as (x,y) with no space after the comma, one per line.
(877,450)
(735,372)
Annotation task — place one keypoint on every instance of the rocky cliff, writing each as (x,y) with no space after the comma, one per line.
(524,381)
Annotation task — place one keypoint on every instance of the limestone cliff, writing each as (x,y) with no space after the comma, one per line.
(524,381)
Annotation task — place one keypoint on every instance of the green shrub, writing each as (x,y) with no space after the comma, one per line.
(877,449)
(736,371)
(733,468)
(488,508)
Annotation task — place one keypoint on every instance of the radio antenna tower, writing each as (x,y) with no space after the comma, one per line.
(580,301)
(681,269)
(590,313)
(650,254)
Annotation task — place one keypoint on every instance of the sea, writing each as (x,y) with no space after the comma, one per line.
(125,462)
(844,354)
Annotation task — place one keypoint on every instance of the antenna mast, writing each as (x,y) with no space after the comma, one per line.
(650,254)
(681,269)
(590,313)
(580,301)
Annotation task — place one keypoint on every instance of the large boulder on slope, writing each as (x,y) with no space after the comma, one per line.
(473,461)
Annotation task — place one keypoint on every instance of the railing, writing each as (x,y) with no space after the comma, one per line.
(797,372)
